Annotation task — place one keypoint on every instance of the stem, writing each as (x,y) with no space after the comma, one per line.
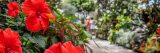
(26,42)
(62,34)
(5,15)
(37,48)
(74,26)
(17,24)
(21,21)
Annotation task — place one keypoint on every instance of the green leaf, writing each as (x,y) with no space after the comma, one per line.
(54,39)
(57,13)
(39,40)
(25,50)
(84,36)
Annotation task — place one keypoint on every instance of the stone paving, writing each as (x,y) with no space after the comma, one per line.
(103,46)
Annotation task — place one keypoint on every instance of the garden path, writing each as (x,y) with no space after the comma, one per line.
(103,46)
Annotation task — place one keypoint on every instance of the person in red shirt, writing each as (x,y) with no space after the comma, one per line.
(87,24)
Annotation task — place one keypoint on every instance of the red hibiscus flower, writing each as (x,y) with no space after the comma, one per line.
(38,15)
(55,48)
(65,48)
(9,42)
(13,9)
(158,30)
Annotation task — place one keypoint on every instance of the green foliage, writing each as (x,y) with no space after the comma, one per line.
(125,32)
(81,5)
(150,50)
(122,37)
(69,10)
(123,22)
(112,36)
(104,25)
(115,14)
(61,30)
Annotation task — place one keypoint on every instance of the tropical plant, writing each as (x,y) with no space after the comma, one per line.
(36,34)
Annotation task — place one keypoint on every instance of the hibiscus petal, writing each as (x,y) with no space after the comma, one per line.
(2,48)
(12,13)
(10,6)
(68,46)
(39,15)
(33,23)
(64,50)
(78,49)
(44,8)
(13,9)
(46,12)
(13,6)
(27,8)
(12,37)
(17,43)
(72,49)
(45,23)
(37,2)
(39,5)
(55,48)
